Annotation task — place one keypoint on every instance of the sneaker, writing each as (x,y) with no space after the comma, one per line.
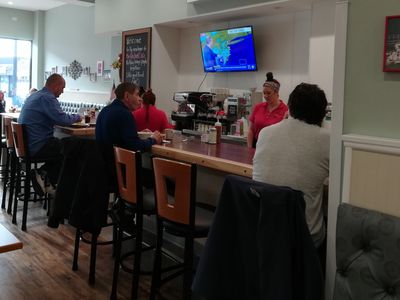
(37,183)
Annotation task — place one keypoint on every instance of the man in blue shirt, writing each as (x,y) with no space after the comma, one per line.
(116,125)
(39,114)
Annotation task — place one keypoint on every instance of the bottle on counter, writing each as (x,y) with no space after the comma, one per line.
(212,136)
(218,127)
(239,127)
(245,126)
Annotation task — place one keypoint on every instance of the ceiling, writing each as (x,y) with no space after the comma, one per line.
(34,5)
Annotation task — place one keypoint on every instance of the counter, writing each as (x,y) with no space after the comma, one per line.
(226,157)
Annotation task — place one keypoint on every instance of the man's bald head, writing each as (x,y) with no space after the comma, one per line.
(55,84)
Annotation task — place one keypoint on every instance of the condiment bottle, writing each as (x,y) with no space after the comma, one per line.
(218,126)
(212,137)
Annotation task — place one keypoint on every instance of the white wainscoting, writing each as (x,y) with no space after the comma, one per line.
(371,173)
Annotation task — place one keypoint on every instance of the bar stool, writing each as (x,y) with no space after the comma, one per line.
(83,196)
(128,167)
(22,153)
(9,174)
(180,216)
(3,145)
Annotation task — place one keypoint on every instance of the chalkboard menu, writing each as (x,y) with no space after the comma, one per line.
(136,55)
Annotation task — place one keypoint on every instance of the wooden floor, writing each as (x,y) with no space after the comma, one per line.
(42,269)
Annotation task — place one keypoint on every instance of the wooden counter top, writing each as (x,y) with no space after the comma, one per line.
(82,131)
(8,242)
(226,157)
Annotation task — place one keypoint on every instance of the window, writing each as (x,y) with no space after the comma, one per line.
(15,70)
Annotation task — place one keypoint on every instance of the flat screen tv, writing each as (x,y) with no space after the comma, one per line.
(228,50)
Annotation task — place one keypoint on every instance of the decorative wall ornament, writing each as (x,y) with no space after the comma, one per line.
(100,67)
(75,69)
(86,71)
(93,77)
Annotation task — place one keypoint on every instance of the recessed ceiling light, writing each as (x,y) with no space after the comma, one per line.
(10,2)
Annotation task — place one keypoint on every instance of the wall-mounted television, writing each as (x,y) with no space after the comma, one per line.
(228,50)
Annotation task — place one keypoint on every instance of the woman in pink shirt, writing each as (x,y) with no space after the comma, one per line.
(148,116)
(264,114)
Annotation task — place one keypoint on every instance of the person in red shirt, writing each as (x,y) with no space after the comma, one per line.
(148,116)
(264,114)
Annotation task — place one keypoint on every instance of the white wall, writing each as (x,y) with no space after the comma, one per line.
(69,35)
(16,24)
(282,46)
(275,38)
(322,45)
(38,50)
(116,16)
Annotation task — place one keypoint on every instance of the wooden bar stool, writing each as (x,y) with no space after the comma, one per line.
(180,216)
(128,166)
(3,145)
(83,196)
(24,159)
(9,172)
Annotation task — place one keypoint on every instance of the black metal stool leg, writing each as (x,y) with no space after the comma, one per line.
(26,195)
(93,253)
(156,277)
(17,188)
(76,250)
(117,253)
(138,254)
(12,181)
(5,180)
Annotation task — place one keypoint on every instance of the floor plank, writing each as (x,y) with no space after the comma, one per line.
(42,269)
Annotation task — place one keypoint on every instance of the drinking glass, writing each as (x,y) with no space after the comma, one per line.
(177,138)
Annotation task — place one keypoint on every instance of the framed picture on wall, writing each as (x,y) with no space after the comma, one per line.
(107,75)
(64,71)
(99,68)
(391,53)
(93,77)
(86,71)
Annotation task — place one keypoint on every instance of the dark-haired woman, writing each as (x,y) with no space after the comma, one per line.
(148,116)
(264,114)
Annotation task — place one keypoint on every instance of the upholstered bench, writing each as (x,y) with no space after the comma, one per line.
(367,255)
(73,107)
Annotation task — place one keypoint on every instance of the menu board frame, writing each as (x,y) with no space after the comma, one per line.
(132,34)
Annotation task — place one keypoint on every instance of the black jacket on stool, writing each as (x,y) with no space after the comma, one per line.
(82,189)
(259,246)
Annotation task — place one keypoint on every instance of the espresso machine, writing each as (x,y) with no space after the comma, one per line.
(199,111)
(190,106)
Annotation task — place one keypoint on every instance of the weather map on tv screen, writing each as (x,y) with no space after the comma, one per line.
(228,50)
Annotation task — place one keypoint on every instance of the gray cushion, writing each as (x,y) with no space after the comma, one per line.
(367,255)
